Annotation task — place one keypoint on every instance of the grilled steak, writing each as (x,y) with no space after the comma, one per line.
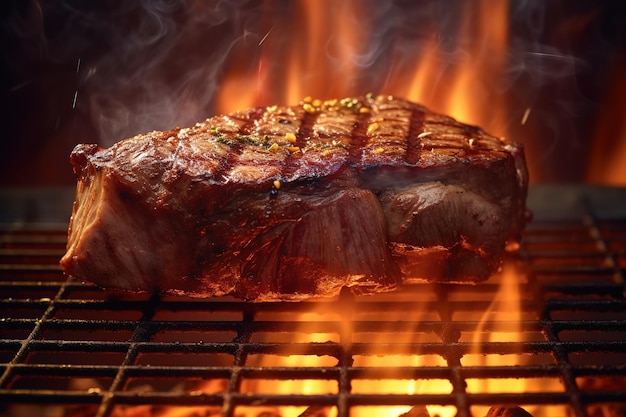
(288,203)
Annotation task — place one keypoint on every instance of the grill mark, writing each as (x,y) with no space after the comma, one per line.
(413,141)
(358,138)
(255,115)
(306,128)
(226,164)
(305,131)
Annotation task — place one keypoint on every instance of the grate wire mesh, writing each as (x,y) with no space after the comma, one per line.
(560,350)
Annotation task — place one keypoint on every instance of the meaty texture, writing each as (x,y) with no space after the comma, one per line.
(289,203)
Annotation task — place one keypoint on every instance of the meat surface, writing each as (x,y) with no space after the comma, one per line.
(289,203)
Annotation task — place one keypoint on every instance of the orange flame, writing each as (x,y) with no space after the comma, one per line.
(459,94)
(309,65)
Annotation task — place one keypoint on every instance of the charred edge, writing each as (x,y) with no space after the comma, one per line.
(359,138)
(416,126)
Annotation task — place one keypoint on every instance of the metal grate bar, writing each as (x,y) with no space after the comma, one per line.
(65,343)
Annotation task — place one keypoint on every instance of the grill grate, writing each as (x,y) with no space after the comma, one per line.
(558,349)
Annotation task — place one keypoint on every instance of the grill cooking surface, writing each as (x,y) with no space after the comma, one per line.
(87,352)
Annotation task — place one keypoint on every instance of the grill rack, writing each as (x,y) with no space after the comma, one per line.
(94,352)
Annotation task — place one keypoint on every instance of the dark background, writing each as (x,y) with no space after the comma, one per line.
(100,71)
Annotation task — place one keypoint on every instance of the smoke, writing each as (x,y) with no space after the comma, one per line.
(160,65)
(560,65)
(141,65)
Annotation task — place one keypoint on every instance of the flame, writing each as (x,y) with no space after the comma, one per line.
(500,322)
(460,94)
(505,317)
(321,59)
(285,72)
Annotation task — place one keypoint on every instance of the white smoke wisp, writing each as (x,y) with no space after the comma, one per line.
(161,66)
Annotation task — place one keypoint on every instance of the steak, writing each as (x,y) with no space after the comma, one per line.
(288,203)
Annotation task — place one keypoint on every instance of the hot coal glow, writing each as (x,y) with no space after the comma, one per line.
(549,75)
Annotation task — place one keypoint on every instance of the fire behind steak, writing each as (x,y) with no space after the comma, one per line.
(288,203)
